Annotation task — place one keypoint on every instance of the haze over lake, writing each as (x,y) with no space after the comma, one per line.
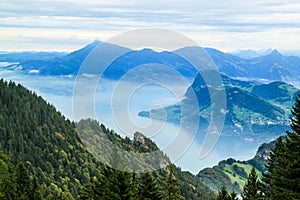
(58,91)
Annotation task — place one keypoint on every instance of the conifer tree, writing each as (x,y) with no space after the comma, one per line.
(7,185)
(87,192)
(282,179)
(112,184)
(252,187)
(171,185)
(22,181)
(25,188)
(148,188)
(223,194)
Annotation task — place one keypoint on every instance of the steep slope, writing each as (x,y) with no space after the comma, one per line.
(32,131)
(191,187)
(232,173)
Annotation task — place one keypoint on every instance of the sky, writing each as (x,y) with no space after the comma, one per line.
(228,25)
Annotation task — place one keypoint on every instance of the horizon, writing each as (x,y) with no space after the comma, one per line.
(260,52)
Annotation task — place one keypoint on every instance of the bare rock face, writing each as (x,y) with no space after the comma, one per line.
(138,137)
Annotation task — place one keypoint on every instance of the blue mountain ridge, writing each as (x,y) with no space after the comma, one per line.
(271,67)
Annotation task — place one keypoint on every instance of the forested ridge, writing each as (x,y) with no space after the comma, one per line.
(44,158)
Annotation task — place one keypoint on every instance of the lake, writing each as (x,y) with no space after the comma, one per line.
(119,112)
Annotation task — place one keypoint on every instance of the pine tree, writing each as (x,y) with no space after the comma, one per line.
(223,194)
(282,179)
(124,184)
(134,185)
(7,184)
(87,192)
(293,151)
(171,185)
(112,184)
(276,165)
(25,188)
(252,187)
(148,188)
(35,190)
(22,181)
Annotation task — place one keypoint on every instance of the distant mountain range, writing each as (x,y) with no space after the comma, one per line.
(249,53)
(269,67)
(252,107)
(26,56)
(70,64)
(257,111)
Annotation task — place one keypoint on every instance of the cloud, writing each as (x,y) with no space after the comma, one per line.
(83,17)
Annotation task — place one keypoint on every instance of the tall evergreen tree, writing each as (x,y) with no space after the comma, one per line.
(134,185)
(22,181)
(88,192)
(112,184)
(148,188)
(283,176)
(223,194)
(171,185)
(252,188)
(7,184)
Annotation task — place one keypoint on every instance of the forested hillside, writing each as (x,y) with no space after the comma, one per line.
(44,145)
(32,131)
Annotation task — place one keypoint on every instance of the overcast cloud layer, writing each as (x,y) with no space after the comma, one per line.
(226,25)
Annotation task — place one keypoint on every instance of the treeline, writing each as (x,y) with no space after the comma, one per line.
(17,183)
(119,185)
(282,177)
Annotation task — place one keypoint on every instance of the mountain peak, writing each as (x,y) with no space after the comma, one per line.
(275,52)
(93,44)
